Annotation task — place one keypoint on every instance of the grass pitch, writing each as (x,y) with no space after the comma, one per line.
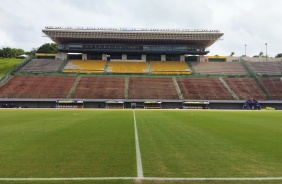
(53,143)
(50,143)
(8,64)
(210,143)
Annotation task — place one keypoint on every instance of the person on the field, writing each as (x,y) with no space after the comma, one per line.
(251,104)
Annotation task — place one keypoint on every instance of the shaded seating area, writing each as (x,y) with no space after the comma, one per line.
(267,68)
(169,67)
(203,88)
(273,87)
(85,66)
(151,88)
(245,88)
(127,67)
(37,87)
(42,65)
(100,88)
(219,68)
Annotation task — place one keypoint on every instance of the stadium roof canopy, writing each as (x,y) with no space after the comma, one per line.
(65,35)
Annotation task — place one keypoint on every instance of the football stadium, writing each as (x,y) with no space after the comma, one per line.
(145,106)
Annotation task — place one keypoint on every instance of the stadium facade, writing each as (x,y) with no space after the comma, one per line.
(139,68)
(132,44)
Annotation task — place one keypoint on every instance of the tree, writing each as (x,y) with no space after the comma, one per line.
(278,55)
(260,54)
(17,52)
(50,48)
(232,53)
(8,52)
(32,51)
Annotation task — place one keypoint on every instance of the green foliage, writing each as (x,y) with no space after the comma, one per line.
(50,48)
(260,54)
(8,52)
(278,55)
(232,53)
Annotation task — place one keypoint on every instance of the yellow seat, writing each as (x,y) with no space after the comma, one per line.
(127,67)
(85,66)
(169,67)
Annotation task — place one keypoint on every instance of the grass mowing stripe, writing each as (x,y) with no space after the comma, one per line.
(138,153)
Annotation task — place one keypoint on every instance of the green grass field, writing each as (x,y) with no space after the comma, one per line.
(8,64)
(53,143)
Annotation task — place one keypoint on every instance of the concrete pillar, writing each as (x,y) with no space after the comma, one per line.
(143,57)
(182,58)
(203,58)
(124,57)
(163,57)
(104,57)
(84,56)
(64,56)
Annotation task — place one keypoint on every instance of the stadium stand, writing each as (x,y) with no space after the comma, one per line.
(169,67)
(37,87)
(219,68)
(267,68)
(42,65)
(151,88)
(203,88)
(273,86)
(127,67)
(85,66)
(100,88)
(245,88)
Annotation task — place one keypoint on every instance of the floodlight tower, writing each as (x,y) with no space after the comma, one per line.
(266,51)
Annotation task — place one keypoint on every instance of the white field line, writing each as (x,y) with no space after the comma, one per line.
(144,178)
(138,153)
(67,179)
(212,179)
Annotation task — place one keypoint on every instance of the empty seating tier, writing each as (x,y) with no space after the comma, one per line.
(273,87)
(203,88)
(169,67)
(219,68)
(42,65)
(151,88)
(85,66)
(37,87)
(100,88)
(268,68)
(245,88)
(127,67)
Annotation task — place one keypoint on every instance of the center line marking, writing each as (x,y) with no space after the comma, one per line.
(138,153)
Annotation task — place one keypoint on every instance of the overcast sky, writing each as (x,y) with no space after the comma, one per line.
(250,22)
